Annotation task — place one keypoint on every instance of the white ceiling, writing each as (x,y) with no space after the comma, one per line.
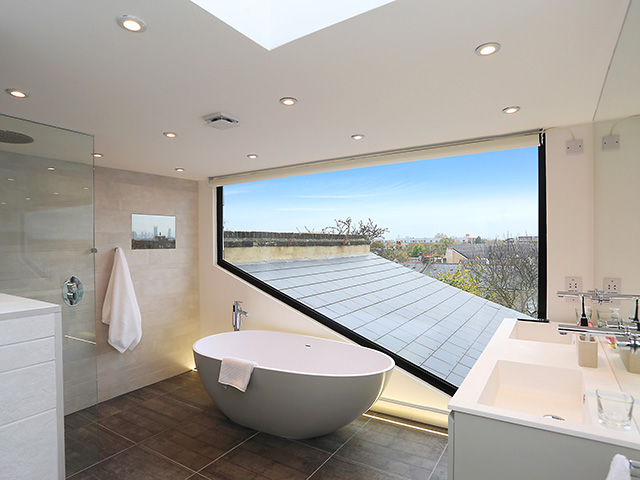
(404,74)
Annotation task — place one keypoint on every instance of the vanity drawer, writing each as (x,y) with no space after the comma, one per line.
(28,328)
(24,354)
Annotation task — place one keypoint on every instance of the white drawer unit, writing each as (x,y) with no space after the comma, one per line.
(31,392)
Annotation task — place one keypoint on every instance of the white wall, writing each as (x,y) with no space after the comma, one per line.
(592,202)
(570,225)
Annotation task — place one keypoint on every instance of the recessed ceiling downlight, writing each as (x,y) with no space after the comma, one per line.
(97,155)
(179,169)
(14,92)
(131,23)
(357,136)
(511,110)
(170,134)
(288,101)
(252,156)
(487,49)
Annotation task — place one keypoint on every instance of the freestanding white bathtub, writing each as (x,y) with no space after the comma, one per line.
(303,387)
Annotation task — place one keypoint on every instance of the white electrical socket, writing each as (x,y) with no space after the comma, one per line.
(610,142)
(612,285)
(573,284)
(574,147)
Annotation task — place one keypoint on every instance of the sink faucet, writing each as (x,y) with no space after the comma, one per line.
(236,316)
(630,337)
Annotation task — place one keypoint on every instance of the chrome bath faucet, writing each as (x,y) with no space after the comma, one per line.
(236,315)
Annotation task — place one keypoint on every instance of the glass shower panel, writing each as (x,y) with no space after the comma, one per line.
(46,236)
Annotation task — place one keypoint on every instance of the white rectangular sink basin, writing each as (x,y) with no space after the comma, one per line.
(539,332)
(537,390)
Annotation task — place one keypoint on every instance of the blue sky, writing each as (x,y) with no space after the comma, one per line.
(486,194)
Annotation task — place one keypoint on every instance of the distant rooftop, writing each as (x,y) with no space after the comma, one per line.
(471,251)
(430,323)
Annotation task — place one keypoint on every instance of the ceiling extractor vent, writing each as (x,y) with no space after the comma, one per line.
(7,136)
(221,121)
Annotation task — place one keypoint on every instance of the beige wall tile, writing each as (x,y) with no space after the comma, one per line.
(165,281)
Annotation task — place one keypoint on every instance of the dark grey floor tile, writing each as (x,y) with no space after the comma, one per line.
(266,456)
(333,441)
(77,420)
(395,449)
(139,423)
(229,470)
(386,432)
(173,383)
(123,402)
(193,394)
(89,445)
(135,464)
(214,430)
(214,411)
(341,469)
(442,469)
(198,441)
(83,476)
(171,408)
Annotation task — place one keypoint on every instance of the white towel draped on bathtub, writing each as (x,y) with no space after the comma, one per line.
(120,310)
(236,372)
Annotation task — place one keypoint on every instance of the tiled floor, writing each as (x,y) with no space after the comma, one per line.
(172,431)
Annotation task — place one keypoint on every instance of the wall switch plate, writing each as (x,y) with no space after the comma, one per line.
(612,285)
(610,142)
(574,147)
(573,284)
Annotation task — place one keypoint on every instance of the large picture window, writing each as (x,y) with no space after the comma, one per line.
(422,259)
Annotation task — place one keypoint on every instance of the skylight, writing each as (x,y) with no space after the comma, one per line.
(272,23)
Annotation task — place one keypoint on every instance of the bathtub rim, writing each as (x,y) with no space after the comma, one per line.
(392,363)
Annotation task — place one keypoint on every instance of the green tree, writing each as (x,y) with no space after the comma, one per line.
(417,250)
(463,279)
(441,246)
(390,252)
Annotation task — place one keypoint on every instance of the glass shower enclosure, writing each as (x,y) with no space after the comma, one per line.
(47,240)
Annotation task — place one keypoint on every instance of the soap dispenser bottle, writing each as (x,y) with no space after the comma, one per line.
(615,321)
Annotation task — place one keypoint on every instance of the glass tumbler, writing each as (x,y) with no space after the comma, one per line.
(615,409)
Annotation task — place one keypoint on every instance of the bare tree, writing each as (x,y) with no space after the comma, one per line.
(508,273)
(347,227)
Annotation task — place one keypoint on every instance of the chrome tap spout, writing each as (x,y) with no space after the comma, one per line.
(236,315)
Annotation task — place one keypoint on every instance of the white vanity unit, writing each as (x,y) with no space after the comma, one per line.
(504,421)
(31,401)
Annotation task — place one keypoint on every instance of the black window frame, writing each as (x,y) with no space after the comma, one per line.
(422,374)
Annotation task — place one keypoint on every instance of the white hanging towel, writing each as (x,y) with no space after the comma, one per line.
(236,372)
(120,310)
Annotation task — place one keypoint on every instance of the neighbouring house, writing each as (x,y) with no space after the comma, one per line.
(460,252)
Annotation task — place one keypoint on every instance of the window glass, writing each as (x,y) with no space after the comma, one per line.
(424,258)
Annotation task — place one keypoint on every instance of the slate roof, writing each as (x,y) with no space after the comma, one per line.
(471,251)
(431,324)
(437,268)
